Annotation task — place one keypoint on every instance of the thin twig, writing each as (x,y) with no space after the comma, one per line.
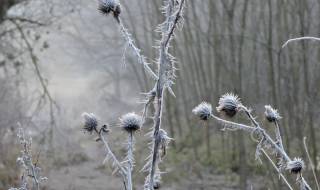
(277,169)
(311,163)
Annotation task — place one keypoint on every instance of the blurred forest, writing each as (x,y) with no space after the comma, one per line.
(60,58)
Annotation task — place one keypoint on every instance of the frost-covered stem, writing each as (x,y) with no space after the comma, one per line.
(303,183)
(114,159)
(130,160)
(277,169)
(247,111)
(156,144)
(257,125)
(34,176)
(136,50)
(278,134)
(167,31)
(233,125)
(26,161)
(36,184)
(279,149)
(258,130)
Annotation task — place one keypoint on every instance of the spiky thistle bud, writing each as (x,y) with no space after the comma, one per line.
(130,122)
(271,114)
(110,6)
(90,122)
(203,110)
(295,166)
(229,104)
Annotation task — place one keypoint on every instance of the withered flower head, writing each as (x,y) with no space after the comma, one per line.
(131,122)
(229,104)
(295,166)
(110,6)
(90,122)
(271,114)
(203,111)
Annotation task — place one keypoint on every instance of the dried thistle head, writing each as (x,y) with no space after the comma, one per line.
(229,104)
(110,6)
(131,122)
(203,110)
(271,114)
(90,122)
(295,166)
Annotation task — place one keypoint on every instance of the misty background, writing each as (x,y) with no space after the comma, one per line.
(61,58)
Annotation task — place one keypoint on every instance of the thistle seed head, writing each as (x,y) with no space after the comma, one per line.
(271,114)
(90,122)
(130,122)
(203,111)
(110,6)
(295,166)
(229,104)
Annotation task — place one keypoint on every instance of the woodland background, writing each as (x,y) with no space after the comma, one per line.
(60,58)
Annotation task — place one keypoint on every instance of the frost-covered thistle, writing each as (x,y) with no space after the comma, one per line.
(229,104)
(203,110)
(295,166)
(271,114)
(130,122)
(110,6)
(90,122)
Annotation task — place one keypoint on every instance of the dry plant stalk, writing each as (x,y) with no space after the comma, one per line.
(230,105)
(26,162)
(164,79)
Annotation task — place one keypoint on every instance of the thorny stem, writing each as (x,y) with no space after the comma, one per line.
(118,165)
(276,168)
(167,34)
(130,161)
(156,143)
(136,50)
(278,134)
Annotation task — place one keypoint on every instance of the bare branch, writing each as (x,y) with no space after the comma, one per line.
(298,39)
